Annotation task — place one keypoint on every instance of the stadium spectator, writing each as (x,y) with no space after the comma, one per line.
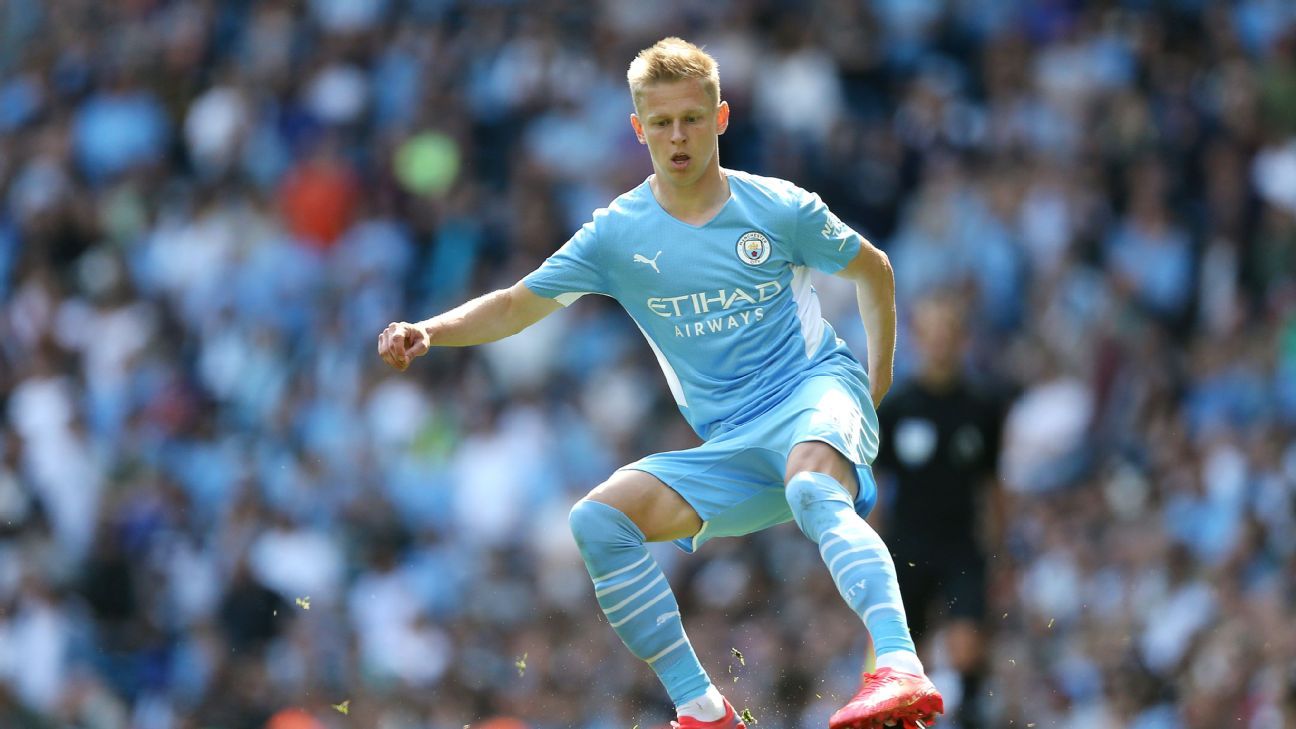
(185,397)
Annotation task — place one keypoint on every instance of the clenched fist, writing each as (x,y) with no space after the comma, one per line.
(400,343)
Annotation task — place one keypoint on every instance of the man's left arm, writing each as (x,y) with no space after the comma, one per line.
(874,280)
(822,241)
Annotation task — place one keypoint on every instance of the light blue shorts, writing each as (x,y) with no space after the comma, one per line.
(735,480)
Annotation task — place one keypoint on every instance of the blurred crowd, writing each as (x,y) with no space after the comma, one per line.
(218,510)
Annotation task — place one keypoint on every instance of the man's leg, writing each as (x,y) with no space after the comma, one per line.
(821,489)
(611,525)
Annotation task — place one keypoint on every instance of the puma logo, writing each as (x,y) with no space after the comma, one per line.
(641,258)
(667,616)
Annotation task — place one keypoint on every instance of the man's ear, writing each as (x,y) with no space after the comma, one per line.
(638,128)
(722,117)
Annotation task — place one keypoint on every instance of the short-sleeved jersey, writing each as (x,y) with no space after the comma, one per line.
(727,306)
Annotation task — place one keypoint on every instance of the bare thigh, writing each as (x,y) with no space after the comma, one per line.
(659,512)
(818,457)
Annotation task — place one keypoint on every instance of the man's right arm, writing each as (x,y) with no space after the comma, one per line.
(487,318)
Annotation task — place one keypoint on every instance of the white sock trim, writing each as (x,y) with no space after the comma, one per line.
(637,593)
(901,660)
(857,563)
(666,650)
(894,606)
(609,590)
(856,550)
(707,707)
(665,594)
(623,570)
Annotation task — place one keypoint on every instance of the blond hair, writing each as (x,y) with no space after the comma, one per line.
(673,59)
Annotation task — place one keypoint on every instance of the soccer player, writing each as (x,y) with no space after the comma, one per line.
(940,441)
(714,267)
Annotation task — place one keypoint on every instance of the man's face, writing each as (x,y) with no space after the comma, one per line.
(680,124)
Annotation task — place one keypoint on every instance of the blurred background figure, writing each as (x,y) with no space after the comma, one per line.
(944,515)
(202,204)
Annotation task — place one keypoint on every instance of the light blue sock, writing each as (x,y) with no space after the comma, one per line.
(635,597)
(859,562)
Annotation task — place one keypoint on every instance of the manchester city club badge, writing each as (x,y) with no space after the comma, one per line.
(753,248)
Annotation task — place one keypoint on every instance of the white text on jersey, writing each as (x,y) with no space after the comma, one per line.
(704,302)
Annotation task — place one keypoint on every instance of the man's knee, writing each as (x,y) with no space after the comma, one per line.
(801,492)
(815,500)
(592,522)
(654,508)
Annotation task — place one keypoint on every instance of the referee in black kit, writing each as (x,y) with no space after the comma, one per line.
(940,448)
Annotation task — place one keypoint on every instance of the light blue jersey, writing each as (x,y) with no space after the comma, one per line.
(727,307)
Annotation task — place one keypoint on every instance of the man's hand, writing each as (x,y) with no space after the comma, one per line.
(401,342)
